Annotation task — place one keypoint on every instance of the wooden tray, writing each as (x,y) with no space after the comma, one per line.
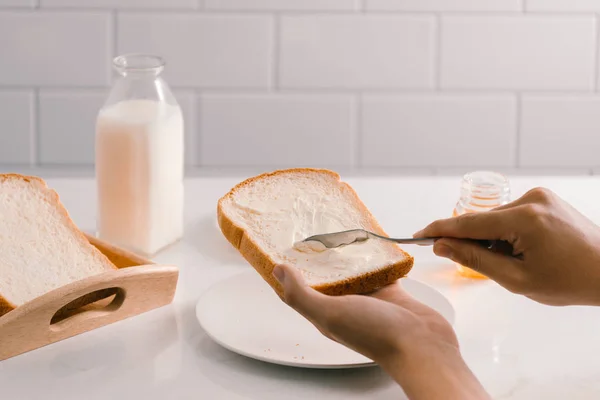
(137,286)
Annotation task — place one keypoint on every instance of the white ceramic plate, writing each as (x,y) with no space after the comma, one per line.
(243,314)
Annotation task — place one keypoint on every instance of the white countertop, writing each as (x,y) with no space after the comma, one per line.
(519,349)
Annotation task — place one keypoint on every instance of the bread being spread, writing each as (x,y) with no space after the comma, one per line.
(41,249)
(268,216)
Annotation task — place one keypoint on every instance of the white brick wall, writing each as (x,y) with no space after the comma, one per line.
(122,4)
(17,3)
(568,126)
(206,51)
(16,120)
(303,130)
(563,5)
(54,48)
(381,85)
(445,5)
(283,5)
(518,52)
(66,123)
(356,52)
(440,130)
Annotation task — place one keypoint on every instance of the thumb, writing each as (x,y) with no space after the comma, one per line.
(502,268)
(297,294)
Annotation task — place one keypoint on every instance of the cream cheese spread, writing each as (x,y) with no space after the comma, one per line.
(279,219)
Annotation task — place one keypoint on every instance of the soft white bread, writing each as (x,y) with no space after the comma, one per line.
(41,249)
(266,216)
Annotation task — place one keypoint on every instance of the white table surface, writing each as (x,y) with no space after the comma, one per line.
(519,349)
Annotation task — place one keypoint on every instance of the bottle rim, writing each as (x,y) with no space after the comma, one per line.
(139,63)
(487,181)
(484,189)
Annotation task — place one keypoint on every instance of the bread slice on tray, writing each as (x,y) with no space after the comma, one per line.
(41,249)
(266,216)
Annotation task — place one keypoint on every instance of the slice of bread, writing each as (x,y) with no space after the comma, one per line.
(265,217)
(41,249)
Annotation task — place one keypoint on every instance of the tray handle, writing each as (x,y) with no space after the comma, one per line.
(109,300)
(138,289)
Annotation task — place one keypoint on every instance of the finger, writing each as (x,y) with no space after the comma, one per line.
(512,204)
(535,195)
(491,225)
(504,269)
(390,293)
(395,294)
(298,295)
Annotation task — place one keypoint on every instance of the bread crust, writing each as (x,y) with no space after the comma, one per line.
(53,197)
(5,306)
(264,265)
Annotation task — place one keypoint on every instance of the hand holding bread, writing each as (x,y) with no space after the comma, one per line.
(409,340)
(351,293)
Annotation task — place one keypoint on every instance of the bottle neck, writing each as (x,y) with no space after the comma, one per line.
(139,66)
(483,191)
(139,79)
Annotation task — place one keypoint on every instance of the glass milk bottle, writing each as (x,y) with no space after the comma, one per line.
(481,191)
(140,159)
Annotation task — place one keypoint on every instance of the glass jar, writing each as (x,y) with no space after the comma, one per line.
(140,158)
(481,191)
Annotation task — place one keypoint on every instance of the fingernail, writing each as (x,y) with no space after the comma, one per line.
(279,274)
(418,234)
(443,251)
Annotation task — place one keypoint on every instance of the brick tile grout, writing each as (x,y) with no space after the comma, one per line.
(193,133)
(437,59)
(518,117)
(314,12)
(87,171)
(333,90)
(197,151)
(34,151)
(596,51)
(325,91)
(115,33)
(276,53)
(359,134)
(200,8)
